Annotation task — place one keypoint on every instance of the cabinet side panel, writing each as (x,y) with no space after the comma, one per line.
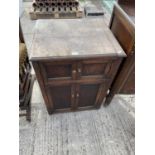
(49,106)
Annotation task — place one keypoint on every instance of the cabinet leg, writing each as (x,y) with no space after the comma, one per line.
(108,99)
(50,111)
(28,114)
(97,106)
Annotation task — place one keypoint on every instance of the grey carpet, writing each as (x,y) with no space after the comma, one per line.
(107,131)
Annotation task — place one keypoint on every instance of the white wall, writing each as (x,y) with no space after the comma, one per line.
(20,7)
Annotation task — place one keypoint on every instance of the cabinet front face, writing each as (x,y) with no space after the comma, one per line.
(69,85)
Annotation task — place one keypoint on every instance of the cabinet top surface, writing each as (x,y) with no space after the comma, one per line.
(73,37)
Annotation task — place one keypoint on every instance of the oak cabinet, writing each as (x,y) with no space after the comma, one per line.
(75,64)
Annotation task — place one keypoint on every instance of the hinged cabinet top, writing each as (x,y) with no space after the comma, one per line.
(73,38)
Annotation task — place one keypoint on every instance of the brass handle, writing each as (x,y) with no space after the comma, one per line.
(74,74)
(77,95)
(79,70)
(72,95)
(108,91)
(74,71)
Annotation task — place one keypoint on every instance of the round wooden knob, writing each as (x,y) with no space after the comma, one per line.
(79,70)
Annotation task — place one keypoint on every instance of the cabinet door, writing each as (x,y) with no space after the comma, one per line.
(97,68)
(61,96)
(89,95)
(58,70)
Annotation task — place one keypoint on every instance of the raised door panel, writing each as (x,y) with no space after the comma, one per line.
(100,68)
(89,95)
(58,70)
(93,69)
(61,97)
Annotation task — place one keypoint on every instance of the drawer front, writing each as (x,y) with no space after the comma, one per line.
(101,68)
(58,70)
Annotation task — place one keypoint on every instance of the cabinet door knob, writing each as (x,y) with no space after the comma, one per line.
(72,95)
(77,95)
(74,71)
(74,74)
(79,70)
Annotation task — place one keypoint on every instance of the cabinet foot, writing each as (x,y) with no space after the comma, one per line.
(50,111)
(98,106)
(108,99)
(28,115)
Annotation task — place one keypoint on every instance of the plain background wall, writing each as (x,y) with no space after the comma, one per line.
(20,7)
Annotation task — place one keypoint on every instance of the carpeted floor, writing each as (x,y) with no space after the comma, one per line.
(107,131)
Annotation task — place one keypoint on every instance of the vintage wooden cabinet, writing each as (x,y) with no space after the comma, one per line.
(76,63)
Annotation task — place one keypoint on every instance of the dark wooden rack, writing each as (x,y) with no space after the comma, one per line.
(123,27)
(129,7)
(26,80)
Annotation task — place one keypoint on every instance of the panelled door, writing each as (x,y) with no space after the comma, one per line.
(58,70)
(57,76)
(95,75)
(102,68)
(61,96)
(89,94)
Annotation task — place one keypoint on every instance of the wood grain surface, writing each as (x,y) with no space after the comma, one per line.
(73,37)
